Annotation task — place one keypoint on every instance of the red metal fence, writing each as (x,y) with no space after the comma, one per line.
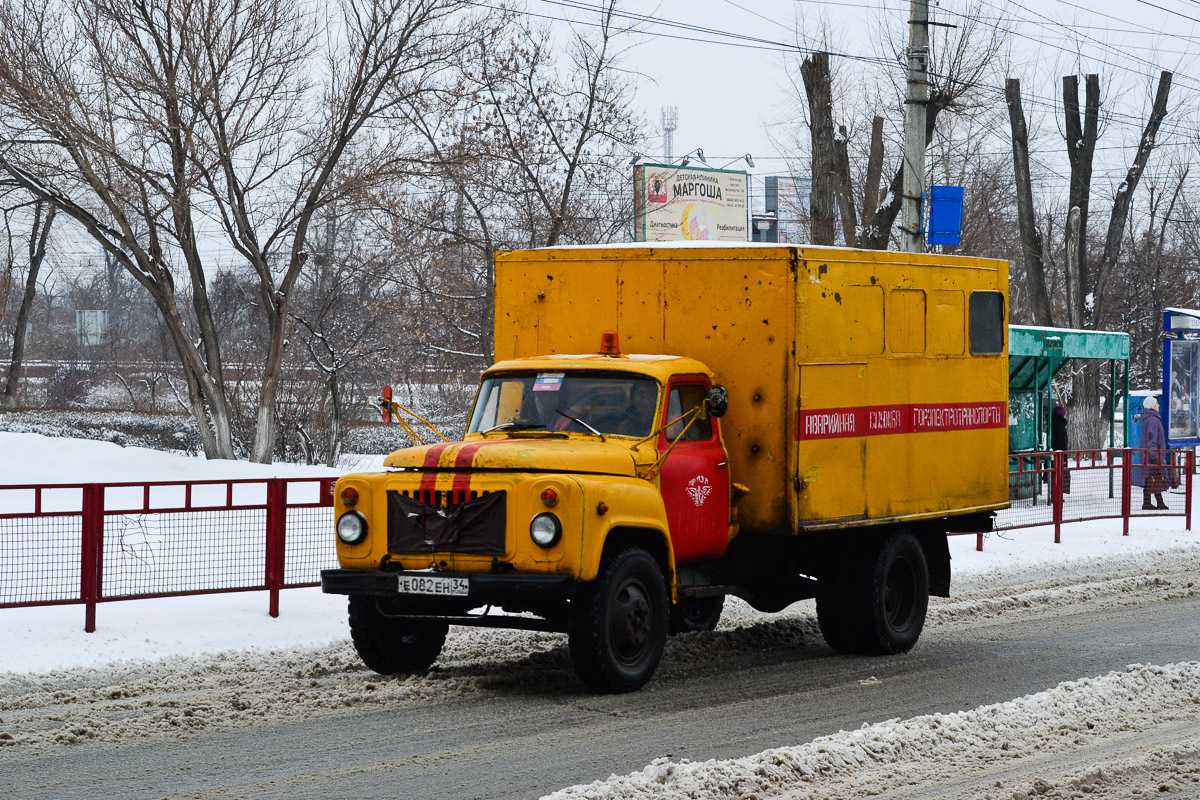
(93,543)
(1055,488)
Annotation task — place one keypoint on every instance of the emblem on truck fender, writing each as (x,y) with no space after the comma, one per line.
(699,489)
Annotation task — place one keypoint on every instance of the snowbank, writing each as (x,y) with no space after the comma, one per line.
(1074,717)
(33,458)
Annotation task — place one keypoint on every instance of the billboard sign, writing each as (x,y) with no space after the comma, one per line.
(674,203)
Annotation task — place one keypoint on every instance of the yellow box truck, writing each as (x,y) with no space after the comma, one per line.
(668,425)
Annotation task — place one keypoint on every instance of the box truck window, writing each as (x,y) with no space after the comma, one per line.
(864,318)
(987,323)
(906,321)
(947,323)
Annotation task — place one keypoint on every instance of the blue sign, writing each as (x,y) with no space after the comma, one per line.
(945,215)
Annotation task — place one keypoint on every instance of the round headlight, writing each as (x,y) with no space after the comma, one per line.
(352,527)
(545,530)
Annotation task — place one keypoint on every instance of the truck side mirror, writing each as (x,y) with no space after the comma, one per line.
(717,401)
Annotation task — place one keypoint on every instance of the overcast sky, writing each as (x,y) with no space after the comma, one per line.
(730,91)
(724,65)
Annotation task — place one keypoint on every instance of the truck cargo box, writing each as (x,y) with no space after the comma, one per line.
(864,386)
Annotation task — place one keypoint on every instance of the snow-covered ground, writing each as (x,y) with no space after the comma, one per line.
(1142,720)
(52,637)
(1121,735)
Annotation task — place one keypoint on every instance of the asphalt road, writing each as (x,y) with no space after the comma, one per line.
(527,734)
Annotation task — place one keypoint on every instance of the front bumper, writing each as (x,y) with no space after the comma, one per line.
(547,596)
(485,588)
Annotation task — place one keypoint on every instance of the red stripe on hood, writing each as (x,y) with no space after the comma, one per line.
(463,461)
(432,456)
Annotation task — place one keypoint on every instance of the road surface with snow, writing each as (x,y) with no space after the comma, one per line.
(1096,639)
(503,715)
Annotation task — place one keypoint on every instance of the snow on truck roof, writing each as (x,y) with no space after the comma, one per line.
(684,244)
(657,366)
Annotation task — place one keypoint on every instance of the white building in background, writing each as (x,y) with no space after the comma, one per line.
(788,198)
(91,327)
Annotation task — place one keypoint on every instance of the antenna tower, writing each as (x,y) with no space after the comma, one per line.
(670,121)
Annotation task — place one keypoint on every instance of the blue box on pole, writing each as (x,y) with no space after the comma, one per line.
(945,215)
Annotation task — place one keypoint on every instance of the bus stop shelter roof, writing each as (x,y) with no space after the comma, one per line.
(1032,349)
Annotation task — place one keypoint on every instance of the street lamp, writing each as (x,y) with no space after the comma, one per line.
(748,158)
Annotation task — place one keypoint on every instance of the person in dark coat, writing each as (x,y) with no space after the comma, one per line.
(1153,439)
(1058,441)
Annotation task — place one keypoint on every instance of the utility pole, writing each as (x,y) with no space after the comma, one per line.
(915,101)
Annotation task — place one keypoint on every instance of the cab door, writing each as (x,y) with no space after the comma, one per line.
(694,478)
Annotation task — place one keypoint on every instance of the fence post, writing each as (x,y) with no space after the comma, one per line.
(92,555)
(1187,491)
(276,532)
(1056,493)
(1126,488)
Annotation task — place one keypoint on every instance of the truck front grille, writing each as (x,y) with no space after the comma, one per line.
(439,498)
(428,521)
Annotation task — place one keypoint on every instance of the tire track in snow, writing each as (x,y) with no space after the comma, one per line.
(180,697)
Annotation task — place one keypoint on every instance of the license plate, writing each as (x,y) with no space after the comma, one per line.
(426,584)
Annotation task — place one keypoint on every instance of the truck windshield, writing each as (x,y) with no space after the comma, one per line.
(613,403)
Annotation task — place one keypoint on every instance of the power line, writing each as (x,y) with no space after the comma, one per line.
(1169,11)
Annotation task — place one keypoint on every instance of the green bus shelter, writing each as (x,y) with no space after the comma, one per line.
(1035,356)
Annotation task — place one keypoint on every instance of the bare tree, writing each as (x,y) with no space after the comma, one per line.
(535,154)
(870,195)
(1081,147)
(1031,239)
(818,88)
(559,130)
(1088,297)
(960,65)
(139,118)
(1124,195)
(39,236)
(962,61)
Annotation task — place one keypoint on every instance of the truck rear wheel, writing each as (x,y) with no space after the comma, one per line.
(876,604)
(389,645)
(619,624)
(837,613)
(897,596)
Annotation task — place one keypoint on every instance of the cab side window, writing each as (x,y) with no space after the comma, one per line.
(683,399)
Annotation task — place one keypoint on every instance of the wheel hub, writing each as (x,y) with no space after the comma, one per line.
(631,619)
(899,594)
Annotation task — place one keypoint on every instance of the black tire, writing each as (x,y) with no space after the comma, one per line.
(619,623)
(694,614)
(839,613)
(388,645)
(897,596)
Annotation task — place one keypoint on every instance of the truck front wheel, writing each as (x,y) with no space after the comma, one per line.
(695,614)
(619,624)
(390,645)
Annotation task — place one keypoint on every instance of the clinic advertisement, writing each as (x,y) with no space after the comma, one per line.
(673,203)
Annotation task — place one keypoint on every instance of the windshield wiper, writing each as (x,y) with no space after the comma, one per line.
(522,424)
(581,422)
